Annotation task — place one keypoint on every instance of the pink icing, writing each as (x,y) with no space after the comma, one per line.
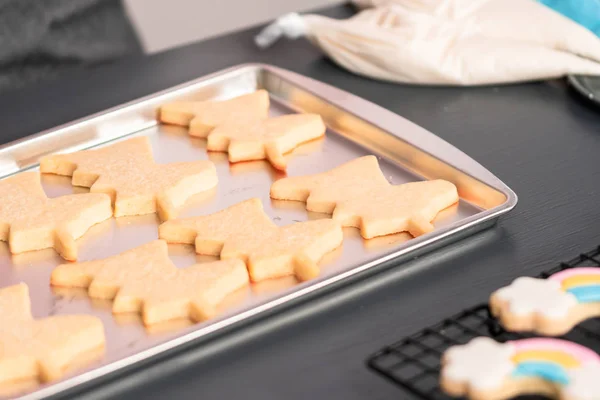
(582,353)
(567,273)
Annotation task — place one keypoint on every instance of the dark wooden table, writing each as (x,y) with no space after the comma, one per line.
(539,138)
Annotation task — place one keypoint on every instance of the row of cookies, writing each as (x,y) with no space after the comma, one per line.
(485,369)
(125,175)
(356,194)
(124,180)
(122,176)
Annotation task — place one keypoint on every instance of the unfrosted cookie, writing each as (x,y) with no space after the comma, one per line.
(145,280)
(550,306)
(127,172)
(245,232)
(357,194)
(31,221)
(206,115)
(41,348)
(484,369)
(261,139)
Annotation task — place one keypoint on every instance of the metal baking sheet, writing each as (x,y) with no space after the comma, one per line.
(406,153)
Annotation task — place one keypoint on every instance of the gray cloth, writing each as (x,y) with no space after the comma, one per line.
(40,39)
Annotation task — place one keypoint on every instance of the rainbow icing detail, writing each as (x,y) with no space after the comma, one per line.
(549,359)
(554,298)
(486,366)
(583,283)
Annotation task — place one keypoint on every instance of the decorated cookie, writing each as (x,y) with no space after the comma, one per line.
(357,194)
(245,232)
(487,370)
(127,172)
(44,348)
(550,306)
(145,280)
(206,115)
(31,221)
(260,139)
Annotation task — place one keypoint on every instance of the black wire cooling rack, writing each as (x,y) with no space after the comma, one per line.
(414,362)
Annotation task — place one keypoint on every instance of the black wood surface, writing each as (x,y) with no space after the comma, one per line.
(539,138)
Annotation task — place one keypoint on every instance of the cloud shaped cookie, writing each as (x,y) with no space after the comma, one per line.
(550,306)
(486,369)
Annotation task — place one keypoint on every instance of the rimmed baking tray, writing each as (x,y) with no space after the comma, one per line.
(356,127)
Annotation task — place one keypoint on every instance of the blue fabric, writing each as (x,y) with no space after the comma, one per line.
(584,12)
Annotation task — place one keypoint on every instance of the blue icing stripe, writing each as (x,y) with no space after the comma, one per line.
(586,294)
(541,369)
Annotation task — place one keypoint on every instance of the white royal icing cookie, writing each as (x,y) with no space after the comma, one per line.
(484,368)
(482,363)
(527,295)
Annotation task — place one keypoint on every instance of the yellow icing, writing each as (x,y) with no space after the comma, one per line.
(580,280)
(558,357)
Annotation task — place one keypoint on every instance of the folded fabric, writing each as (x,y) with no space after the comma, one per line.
(584,12)
(450,42)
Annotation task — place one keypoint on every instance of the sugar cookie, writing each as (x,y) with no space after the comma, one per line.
(31,221)
(262,139)
(41,348)
(245,232)
(145,280)
(486,369)
(357,194)
(550,306)
(206,115)
(127,172)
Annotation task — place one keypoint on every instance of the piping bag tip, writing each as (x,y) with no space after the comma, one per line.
(289,25)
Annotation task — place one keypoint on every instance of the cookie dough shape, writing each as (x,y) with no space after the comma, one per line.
(261,139)
(31,221)
(550,306)
(126,171)
(206,115)
(41,349)
(485,369)
(358,195)
(145,280)
(245,232)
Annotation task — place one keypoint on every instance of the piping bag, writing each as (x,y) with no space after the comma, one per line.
(449,42)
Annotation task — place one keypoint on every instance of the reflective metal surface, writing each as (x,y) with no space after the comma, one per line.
(357,127)
(587,86)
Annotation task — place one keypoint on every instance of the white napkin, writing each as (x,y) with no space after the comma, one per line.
(450,42)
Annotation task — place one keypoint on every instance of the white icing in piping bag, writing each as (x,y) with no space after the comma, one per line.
(291,25)
(448,42)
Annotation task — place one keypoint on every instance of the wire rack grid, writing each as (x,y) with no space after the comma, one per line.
(414,362)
